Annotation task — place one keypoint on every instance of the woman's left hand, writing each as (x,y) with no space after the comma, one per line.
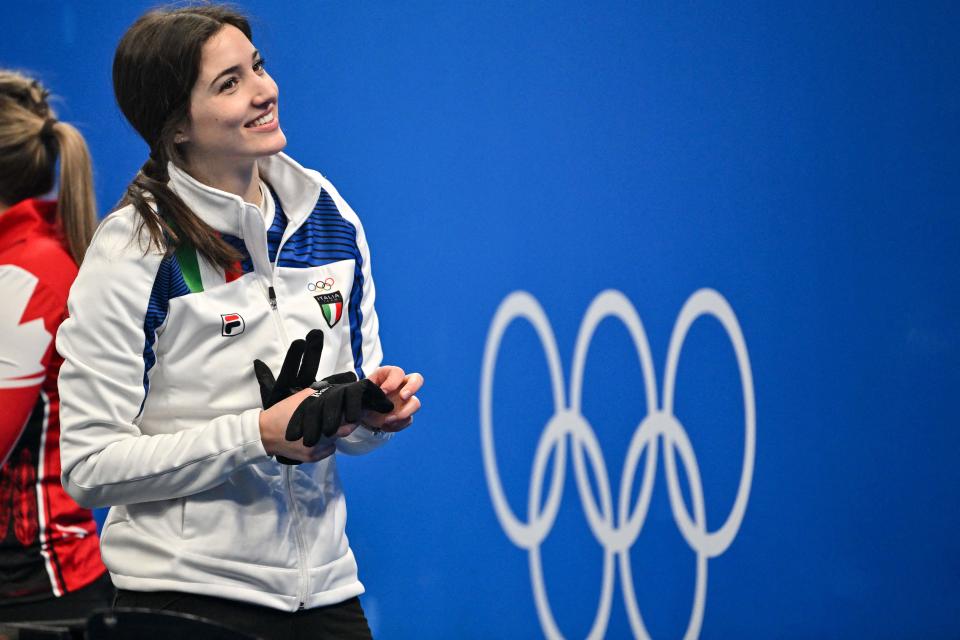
(400,388)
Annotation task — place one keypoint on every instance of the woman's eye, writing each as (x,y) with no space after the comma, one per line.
(258,65)
(230,83)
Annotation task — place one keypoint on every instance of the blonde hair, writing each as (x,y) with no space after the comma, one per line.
(31,139)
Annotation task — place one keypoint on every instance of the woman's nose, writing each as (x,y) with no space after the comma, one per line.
(266,90)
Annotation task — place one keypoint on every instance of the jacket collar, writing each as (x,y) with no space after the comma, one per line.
(297,189)
(20,220)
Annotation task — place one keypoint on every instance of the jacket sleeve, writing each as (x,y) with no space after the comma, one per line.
(29,315)
(365,341)
(106,459)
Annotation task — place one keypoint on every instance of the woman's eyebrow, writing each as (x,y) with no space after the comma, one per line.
(234,69)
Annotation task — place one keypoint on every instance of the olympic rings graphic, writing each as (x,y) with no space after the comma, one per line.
(659,425)
(321,285)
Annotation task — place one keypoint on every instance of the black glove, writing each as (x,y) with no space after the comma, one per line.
(335,402)
(339,398)
(299,371)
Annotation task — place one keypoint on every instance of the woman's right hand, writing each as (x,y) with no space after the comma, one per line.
(273,429)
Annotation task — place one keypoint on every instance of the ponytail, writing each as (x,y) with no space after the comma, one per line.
(31,139)
(76,203)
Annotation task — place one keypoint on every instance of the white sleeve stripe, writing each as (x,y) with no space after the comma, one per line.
(19,383)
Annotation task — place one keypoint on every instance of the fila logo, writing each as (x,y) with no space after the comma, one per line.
(232,324)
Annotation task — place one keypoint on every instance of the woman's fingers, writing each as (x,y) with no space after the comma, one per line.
(405,410)
(346,429)
(393,381)
(411,384)
(389,379)
(399,425)
(321,451)
(396,419)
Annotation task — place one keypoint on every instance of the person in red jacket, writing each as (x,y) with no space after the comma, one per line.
(50,564)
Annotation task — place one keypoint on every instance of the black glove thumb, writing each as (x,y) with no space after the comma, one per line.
(266,381)
(374,398)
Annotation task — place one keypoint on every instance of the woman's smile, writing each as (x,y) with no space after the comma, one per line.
(266,122)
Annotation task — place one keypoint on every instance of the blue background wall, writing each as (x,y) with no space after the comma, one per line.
(799,158)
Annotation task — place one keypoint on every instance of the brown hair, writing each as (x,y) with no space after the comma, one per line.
(31,139)
(154,69)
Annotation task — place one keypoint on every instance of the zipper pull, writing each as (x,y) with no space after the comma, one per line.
(273,298)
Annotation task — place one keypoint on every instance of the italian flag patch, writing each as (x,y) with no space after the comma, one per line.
(331,304)
(198,274)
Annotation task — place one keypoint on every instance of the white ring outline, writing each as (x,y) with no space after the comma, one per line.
(658,424)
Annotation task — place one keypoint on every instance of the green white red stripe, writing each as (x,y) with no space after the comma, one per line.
(199,274)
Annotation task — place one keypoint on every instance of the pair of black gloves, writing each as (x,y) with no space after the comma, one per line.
(336,399)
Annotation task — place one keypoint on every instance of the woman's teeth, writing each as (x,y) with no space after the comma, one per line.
(262,120)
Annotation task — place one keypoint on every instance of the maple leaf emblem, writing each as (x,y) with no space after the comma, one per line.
(23,343)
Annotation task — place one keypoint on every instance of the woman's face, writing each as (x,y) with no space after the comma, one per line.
(233,107)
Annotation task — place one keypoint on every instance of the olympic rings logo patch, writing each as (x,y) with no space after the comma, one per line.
(321,285)
(615,530)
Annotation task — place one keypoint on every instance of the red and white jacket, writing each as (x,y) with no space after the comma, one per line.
(48,544)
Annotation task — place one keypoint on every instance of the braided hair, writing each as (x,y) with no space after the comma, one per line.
(154,69)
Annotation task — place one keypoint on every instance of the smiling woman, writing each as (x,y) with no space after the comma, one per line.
(233,114)
(191,295)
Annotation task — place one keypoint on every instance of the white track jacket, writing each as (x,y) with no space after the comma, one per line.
(160,405)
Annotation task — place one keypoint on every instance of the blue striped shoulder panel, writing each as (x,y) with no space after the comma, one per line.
(326,237)
(169,284)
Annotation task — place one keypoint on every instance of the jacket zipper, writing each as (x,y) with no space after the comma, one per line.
(288,471)
(295,509)
(273,297)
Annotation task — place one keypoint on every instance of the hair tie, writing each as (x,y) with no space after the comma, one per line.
(46,132)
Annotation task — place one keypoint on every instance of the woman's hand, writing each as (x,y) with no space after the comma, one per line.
(400,388)
(273,429)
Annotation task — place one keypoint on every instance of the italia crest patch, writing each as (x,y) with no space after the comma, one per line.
(331,304)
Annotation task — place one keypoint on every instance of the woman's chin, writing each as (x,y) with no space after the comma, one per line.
(276,145)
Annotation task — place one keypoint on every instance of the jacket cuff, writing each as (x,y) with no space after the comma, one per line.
(250,428)
(363,440)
